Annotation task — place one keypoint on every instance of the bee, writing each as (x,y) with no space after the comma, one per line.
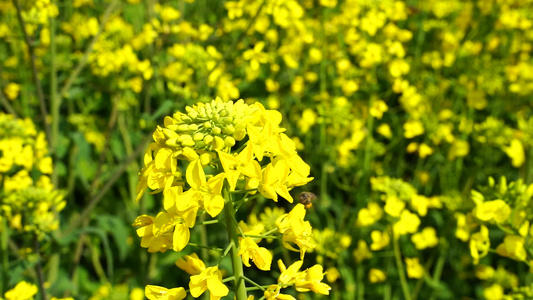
(307,198)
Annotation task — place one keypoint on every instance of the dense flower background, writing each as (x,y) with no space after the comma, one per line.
(413,117)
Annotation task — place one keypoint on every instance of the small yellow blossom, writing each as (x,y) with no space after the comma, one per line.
(385,130)
(22,291)
(414,268)
(493,292)
(380,240)
(261,257)
(376,276)
(153,292)
(12,90)
(209,279)
(413,128)
(408,223)
(427,238)
(191,264)
(362,252)
(513,246)
(516,152)
(369,215)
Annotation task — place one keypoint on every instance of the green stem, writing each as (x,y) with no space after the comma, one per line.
(53,95)
(253,283)
(238,272)
(39,268)
(215,221)
(5,259)
(399,265)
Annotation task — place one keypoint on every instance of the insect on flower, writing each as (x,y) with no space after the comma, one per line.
(307,198)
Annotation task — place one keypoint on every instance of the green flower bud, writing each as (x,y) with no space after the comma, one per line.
(227,120)
(172,142)
(169,133)
(169,121)
(229,129)
(239,134)
(186,119)
(229,141)
(193,114)
(223,113)
(187,141)
(183,127)
(198,136)
(205,159)
(208,139)
(216,130)
(218,143)
(199,144)
(193,127)
(202,113)
(207,124)
(184,137)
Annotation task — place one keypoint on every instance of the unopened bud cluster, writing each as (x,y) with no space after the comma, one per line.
(212,126)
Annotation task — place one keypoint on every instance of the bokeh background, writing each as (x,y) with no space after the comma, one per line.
(413,115)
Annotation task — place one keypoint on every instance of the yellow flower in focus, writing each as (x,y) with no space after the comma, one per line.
(259,255)
(243,163)
(296,231)
(191,264)
(414,268)
(310,280)
(274,181)
(209,279)
(376,276)
(154,292)
(12,90)
(288,275)
(427,238)
(22,291)
(273,293)
(206,191)
(380,240)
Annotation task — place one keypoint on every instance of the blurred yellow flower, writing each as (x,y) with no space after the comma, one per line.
(376,275)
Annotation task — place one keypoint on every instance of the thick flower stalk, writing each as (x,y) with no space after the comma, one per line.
(203,162)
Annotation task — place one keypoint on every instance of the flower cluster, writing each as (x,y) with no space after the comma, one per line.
(193,164)
(29,201)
